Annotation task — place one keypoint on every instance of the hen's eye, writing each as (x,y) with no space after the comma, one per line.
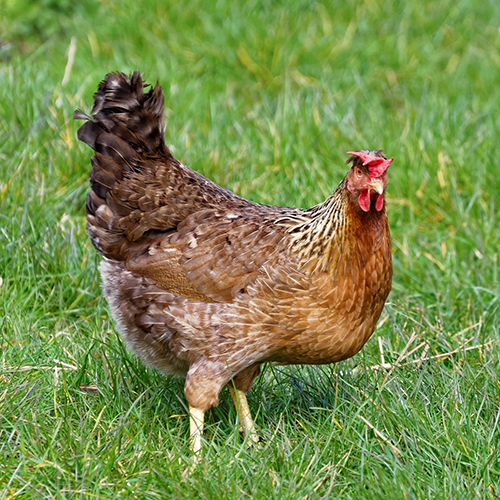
(359,173)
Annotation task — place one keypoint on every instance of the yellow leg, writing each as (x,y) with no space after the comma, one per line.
(196,418)
(246,422)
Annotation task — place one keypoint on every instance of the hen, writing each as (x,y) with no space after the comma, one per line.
(207,285)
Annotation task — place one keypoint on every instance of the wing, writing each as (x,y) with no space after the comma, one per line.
(212,256)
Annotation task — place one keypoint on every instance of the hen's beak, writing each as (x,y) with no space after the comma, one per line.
(376,185)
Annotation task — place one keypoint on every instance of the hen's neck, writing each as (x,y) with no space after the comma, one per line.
(335,231)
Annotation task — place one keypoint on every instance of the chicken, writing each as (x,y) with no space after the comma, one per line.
(207,285)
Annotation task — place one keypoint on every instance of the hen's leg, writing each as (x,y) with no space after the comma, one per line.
(196,418)
(204,381)
(246,422)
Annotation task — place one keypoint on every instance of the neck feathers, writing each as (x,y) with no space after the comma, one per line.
(336,235)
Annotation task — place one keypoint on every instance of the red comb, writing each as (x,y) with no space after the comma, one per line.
(376,166)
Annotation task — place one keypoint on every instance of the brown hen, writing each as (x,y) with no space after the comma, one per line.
(207,285)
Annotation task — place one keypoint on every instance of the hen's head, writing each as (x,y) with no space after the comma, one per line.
(367,179)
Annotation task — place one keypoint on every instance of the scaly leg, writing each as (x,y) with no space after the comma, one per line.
(246,422)
(196,418)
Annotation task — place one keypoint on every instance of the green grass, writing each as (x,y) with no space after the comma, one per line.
(265,98)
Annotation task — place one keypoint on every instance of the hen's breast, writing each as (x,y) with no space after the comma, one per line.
(312,319)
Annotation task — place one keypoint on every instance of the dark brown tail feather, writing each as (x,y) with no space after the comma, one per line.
(122,109)
(126,130)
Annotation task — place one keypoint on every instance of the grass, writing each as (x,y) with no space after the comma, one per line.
(265,98)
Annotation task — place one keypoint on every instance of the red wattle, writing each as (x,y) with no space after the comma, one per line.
(364,200)
(379,204)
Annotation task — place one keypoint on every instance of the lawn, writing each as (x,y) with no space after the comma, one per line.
(265,98)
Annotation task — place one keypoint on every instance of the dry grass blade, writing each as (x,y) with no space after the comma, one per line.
(381,436)
(424,357)
(403,352)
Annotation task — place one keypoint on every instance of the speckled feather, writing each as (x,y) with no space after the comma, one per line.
(205,284)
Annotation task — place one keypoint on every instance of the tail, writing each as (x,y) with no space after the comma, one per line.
(123,111)
(126,133)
